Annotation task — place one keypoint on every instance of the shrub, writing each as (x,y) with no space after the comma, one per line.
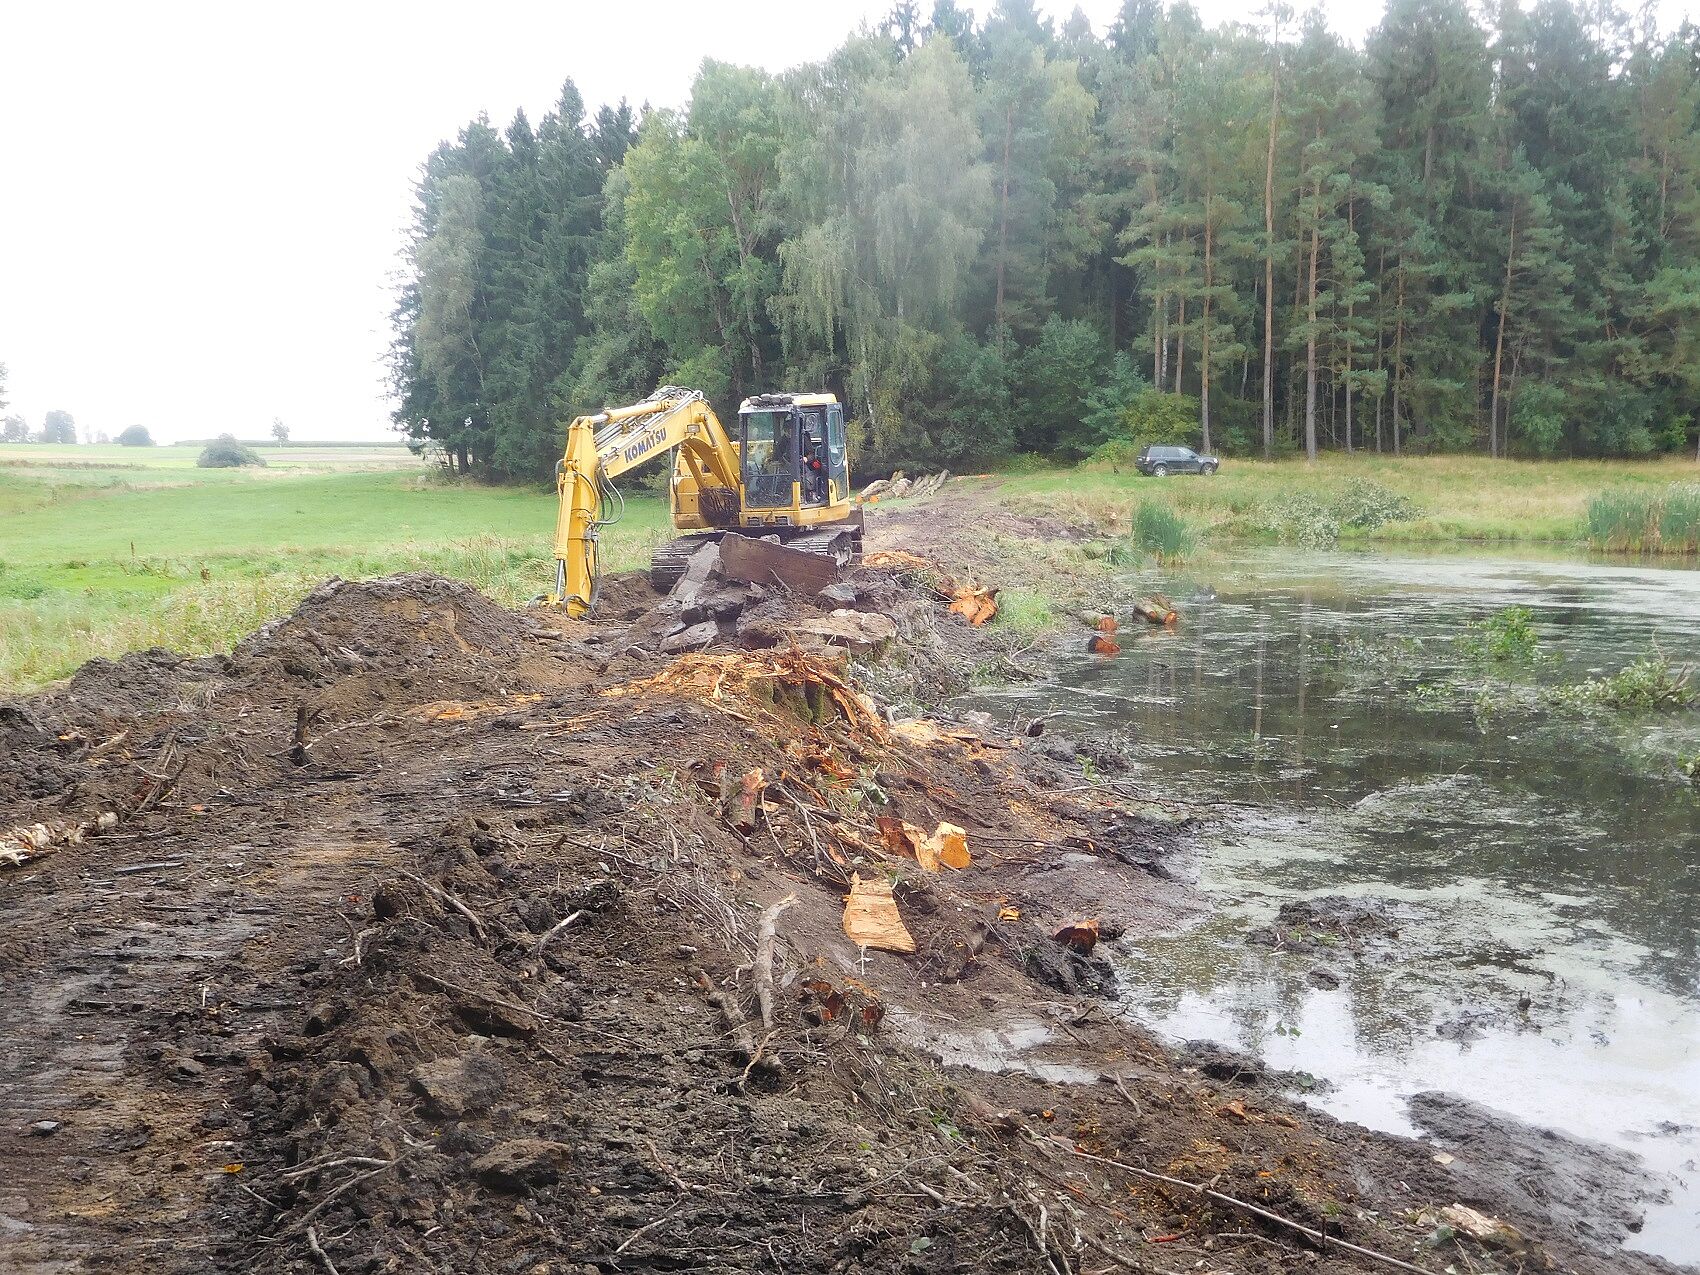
(135,436)
(1505,637)
(1649,685)
(1300,520)
(225,452)
(1367,504)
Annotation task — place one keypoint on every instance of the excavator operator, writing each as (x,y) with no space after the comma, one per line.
(814,469)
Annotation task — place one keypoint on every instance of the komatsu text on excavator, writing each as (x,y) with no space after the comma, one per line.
(786,474)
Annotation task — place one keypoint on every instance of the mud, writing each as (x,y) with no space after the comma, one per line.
(1590,1193)
(426,942)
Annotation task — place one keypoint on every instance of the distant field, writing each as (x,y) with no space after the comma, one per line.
(298,456)
(100,562)
(1457,498)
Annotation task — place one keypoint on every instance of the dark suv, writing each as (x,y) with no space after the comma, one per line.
(1160,462)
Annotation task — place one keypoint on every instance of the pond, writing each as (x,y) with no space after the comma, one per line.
(1545,868)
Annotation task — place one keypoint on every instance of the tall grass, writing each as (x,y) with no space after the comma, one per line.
(1159,530)
(1642,520)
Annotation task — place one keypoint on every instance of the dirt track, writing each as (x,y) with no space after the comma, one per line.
(417,941)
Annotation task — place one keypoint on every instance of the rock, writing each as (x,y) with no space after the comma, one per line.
(1068,971)
(460,1085)
(719,599)
(42,1129)
(1324,978)
(839,595)
(692,637)
(854,630)
(522,1165)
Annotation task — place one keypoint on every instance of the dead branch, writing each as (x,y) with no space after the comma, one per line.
(318,1252)
(1319,1237)
(765,936)
(644,1230)
(444,896)
(100,750)
(548,938)
(736,1024)
(301,1223)
(321,1165)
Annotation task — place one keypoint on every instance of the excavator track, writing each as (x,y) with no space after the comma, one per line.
(667,561)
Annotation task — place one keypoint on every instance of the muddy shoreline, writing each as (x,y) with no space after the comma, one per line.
(430,937)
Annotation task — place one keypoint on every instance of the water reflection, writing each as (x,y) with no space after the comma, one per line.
(1543,860)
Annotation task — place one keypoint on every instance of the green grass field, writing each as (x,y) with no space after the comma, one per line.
(108,550)
(99,562)
(1455,498)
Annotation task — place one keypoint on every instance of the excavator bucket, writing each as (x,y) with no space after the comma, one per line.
(805,564)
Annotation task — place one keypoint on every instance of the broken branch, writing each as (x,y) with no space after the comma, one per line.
(765,936)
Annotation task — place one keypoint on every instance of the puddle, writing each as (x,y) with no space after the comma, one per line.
(1548,875)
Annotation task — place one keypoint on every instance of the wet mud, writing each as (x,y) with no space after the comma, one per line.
(434,937)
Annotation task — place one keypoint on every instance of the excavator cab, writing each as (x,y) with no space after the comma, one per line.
(793,457)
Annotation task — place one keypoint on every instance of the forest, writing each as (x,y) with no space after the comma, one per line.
(1013,235)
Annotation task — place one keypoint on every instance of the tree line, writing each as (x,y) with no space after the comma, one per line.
(1016,235)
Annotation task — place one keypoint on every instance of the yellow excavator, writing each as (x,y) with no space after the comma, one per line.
(785,475)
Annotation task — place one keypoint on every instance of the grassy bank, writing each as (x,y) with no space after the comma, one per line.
(99,563)
(1449,498)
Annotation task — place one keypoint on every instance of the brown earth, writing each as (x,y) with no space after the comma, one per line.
(428,940)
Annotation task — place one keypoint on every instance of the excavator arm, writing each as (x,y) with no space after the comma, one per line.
(602,447)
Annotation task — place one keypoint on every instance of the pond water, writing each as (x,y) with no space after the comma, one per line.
(1531,855)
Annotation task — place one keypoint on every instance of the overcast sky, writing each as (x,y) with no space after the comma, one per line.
(201,205)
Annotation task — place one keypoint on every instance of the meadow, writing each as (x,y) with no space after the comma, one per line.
(1448,498)
(108,550)
(98,561)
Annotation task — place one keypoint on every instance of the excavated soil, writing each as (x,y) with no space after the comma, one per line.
(428,939)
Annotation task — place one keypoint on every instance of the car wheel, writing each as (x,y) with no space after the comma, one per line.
(1211,469)
(1159,471)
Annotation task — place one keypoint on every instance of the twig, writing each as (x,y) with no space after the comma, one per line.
(442,894)
(644,1230)
(548,938)
(313,1245)
(761,1048)
(1320,1237)
(300,1224)
(100,750)
(483,996)
(1121,1088)
(320,1166)
(765,936)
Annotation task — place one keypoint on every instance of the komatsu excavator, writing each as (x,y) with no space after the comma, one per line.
(786,474)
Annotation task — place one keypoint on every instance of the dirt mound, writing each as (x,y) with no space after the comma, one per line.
(406,619)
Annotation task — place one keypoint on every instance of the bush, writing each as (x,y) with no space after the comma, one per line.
(1300,520)
(1649,685)
(1505,637)
(225,452)
(1367,504)
(135,436)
